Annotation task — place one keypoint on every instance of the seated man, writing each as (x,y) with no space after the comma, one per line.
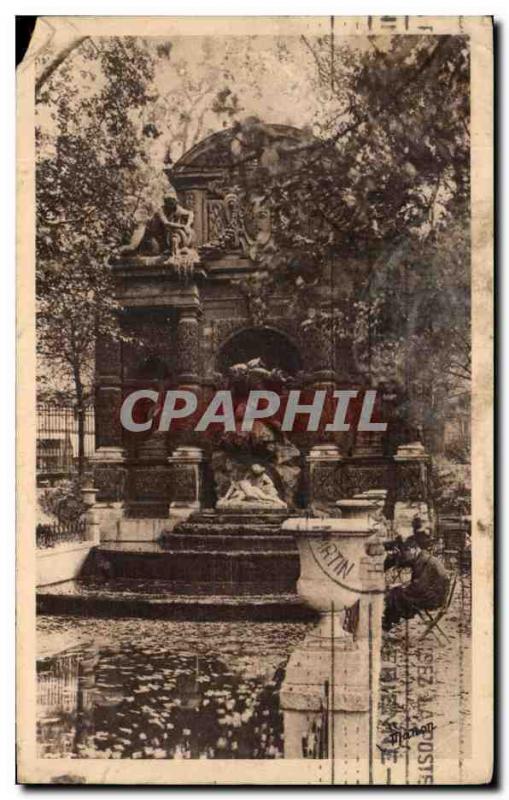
(426,590)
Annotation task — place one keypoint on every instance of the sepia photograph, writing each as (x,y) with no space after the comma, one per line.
(255,509)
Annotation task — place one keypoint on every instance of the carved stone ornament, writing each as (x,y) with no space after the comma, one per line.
(356,479)
(324,483)
(235,226)
(110,481)
(149,482)
(188,340)
(183,483)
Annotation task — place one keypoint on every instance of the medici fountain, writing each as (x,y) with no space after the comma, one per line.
(270,523)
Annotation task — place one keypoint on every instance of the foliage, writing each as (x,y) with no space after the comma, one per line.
(64,501)
(392,160)
(378,205)
(452,487)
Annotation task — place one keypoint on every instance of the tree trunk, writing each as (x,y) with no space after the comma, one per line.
(80,413)
(81,440)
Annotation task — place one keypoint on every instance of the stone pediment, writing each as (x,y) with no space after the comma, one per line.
(230,221)
(210,220)
(232,147)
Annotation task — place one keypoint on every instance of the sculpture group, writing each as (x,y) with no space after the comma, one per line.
(169,234)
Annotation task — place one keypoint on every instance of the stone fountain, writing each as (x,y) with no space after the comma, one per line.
(237,547)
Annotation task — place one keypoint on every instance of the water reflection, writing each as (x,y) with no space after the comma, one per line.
(162,689)
(127,702)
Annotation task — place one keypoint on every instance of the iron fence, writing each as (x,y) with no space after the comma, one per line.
(57,440)
(49,535)
(455,534)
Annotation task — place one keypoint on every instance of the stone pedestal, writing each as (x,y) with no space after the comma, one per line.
(109,470)
(187,466)
(323,464)
(359,508)
(412,472)
(88,494)
(412,492)
(368,506)
(110,476)
(331,689)
(149,478)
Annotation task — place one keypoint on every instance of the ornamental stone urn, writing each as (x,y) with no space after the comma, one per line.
(331,681)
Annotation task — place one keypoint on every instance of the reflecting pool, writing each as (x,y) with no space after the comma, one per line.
(141,688)
(150,689)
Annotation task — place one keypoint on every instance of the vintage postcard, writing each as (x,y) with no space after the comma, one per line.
(255,375)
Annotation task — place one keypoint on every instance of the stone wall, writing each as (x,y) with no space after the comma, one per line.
(61,563)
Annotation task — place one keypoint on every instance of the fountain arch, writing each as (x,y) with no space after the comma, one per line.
(273,346)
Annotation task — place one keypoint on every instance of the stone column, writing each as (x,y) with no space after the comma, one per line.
(320,347)
(108,462)
(331,688)
(186,481)
(88,494)
(108,399)
(108,402)
(189,346)
(323,462)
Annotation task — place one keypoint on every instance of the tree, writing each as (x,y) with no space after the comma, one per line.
(52,62)
(378,203)
(90,179)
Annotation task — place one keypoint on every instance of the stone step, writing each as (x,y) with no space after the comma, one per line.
(231,518)
(216,542)
(136,588)
(278,568)
(176,601)
(202,529)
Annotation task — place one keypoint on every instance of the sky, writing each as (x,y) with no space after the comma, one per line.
(273,78)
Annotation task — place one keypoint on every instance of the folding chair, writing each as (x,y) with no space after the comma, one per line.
(432,620)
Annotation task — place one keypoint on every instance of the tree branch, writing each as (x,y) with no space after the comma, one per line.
(55,63)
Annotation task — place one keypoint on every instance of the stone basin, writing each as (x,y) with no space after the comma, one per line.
(358,508)
(332,677)
(339,561)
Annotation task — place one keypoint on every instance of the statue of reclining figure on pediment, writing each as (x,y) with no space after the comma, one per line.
(170,233)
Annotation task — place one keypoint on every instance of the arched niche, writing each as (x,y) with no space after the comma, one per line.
(273,346)
(152,368)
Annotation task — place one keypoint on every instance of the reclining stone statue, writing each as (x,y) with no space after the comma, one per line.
(255,490)
(168,233)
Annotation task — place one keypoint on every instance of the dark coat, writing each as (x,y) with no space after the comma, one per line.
(427,590)
(430,582)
